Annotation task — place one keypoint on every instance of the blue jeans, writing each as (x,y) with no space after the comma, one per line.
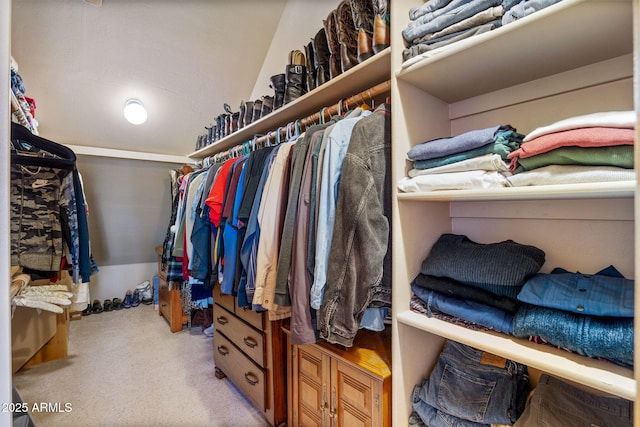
(482,314)
(433,417)
(475,386)
(447,19)
(556,403)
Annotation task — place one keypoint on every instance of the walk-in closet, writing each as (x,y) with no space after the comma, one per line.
(304,213)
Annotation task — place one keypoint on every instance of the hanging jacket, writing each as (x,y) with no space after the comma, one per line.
(359,268)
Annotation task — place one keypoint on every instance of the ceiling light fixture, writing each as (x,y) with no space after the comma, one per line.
(135,112)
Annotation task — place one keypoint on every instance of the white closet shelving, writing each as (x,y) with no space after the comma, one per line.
(359,78)
(572,58)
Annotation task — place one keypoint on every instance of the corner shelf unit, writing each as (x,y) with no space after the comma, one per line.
(361,77)
(575,57)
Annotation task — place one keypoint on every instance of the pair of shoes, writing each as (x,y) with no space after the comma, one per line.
(96,307)
(87,311)
(135,300)
(295,76)
(108,305)
(146,294)
(209,331)
(117,304)
(126,302)
(131,299)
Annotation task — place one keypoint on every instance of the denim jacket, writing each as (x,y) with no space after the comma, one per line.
(359,268)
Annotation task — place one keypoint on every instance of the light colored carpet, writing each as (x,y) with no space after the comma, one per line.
(125,368)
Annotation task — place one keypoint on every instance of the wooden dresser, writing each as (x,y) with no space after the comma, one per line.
(170,304)
(250,350)
(330,385)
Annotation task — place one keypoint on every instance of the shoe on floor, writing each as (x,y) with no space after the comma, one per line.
(126,303)
(117,304)
(108,305)
(135,300)
(87,311)
(96,307)
(146,294)
(209,331)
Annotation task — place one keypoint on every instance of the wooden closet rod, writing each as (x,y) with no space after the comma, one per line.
(339,107)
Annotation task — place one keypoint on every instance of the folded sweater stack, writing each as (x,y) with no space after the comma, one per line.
(588,314)
(474,159)
(474,281)
(595,147)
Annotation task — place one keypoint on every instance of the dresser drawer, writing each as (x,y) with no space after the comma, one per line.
(227,301)
(253,317)
(244,336)
(244,373)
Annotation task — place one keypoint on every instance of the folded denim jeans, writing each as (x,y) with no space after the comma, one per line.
(474,385)
(433,417)
(457,14)
(455,289)
(482,314)
(556,403)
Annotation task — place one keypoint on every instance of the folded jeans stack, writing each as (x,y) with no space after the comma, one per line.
(440,23)
(557,403)
(471,388)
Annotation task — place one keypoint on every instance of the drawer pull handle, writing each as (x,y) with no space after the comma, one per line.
(250,342)
(223,350)
(222,320)
(250,378)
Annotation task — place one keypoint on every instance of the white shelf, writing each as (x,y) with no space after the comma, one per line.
(606,190)
(574,33)
(572,58)
(361,77)
(130,155)
(600,375)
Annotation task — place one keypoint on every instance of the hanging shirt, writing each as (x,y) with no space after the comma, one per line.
(270,220)
(249,250)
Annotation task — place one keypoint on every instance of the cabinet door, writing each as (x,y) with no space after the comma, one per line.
(311,376)
(355,397)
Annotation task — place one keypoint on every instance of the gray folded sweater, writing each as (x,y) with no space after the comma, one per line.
(500,267)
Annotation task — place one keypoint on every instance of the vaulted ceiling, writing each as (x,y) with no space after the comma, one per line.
(183,59)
